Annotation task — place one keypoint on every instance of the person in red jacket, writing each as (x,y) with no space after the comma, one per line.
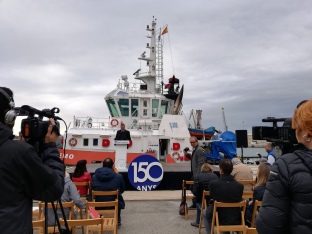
(82,175)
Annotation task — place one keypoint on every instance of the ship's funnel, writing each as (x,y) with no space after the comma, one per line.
(178,102)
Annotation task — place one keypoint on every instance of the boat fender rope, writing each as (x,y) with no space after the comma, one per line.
(114,122)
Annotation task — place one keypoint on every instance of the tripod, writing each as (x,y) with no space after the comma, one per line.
(62,230)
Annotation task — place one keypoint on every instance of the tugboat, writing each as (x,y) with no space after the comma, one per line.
(149,108)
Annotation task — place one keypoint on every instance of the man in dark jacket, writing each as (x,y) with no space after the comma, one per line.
(106,179)
(123,134)
(224,189)
(201,183)
(24,175)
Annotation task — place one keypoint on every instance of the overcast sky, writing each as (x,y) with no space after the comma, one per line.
(254,58)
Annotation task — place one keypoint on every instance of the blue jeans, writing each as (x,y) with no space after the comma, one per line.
(198,207)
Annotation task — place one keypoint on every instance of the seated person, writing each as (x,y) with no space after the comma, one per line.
(262,178)
(70,194)
(81,175)
(201,183)
(224,189)
(106,179)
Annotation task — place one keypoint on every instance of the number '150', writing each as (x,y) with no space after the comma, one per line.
(146,172)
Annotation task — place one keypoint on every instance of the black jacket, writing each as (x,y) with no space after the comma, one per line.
(105,179)
(201,183)
(287,201)
(123,135)
(24,177)
(226,189)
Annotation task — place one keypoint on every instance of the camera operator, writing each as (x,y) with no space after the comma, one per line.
(24,175)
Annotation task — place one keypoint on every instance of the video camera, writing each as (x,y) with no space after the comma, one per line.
(284,136)
(34,128)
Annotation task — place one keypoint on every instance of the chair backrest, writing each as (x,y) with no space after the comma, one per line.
(113,193)
(110,216)
(257,204)
(69,205)
(106,209)
(38,224)
(187,196)
(248,182)
(228,227)
(247,194)
(249,230)
(85,184)
(98,222)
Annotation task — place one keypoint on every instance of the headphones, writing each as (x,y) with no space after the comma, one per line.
(10,115)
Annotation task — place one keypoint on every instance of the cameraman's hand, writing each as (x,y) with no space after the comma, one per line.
(51,136)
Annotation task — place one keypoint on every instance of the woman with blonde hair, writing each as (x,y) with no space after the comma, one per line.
(201,183)
(262,178)
(287,204)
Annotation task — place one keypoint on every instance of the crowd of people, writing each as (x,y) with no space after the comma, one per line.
(282,184)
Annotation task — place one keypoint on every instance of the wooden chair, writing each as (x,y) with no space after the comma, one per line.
(110,216)
(69,205)
(255,212)
(248,182)
(247,195)
(227,228)
(38,225)
(85,184)
(88,223)
(203,206)
(249,230)
(188,196)
(113,193)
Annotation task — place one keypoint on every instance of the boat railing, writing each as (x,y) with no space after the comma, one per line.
(91,122)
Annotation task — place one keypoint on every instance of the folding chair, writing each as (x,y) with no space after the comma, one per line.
(65,205)
(88,223)
(113,193)
(38,225)
(228,228)
(247,195)
(249,230)
(255,212)
(109,215)
(188,196)
(85,184)
(248,182)
(206,194)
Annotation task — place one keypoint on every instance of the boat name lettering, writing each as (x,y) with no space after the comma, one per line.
(173,125)
(70,156)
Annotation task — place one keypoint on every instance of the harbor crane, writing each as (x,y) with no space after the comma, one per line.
(224,122)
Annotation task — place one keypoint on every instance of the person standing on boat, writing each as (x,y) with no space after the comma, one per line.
(123,134)
(269,149)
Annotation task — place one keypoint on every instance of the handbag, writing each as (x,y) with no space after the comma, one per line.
(183,201)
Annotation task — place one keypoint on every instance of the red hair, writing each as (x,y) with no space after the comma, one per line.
(302,117)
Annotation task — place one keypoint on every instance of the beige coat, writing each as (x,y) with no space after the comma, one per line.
(242,172)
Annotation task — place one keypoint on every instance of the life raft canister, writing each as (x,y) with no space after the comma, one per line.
(114,122)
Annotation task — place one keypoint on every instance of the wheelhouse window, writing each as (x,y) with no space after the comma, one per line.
(163,108)
(123,104)
(155,103)
(134,107)
(112,107)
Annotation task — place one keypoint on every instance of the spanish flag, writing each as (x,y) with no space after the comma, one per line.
(165,30)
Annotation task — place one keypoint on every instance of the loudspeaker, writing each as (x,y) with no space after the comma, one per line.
(241,138)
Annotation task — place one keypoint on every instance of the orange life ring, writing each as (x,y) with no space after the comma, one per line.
(72,141)
(174,155)
(114,122)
